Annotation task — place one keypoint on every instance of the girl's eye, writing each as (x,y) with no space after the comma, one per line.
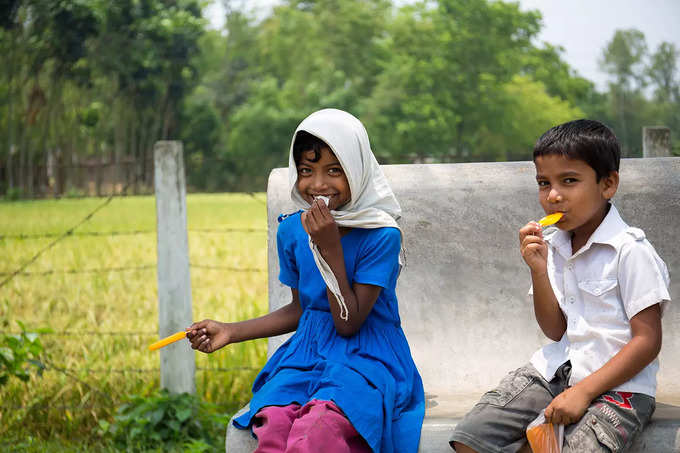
(335,171)
(304,171)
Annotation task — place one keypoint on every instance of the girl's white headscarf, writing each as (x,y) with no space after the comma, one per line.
(372,203)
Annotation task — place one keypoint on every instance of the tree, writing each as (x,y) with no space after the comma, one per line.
(663,73)
(623,58)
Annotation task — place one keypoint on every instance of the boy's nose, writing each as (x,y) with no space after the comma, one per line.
(554,196)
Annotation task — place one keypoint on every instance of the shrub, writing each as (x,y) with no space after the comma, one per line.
(19,353)
(166,420)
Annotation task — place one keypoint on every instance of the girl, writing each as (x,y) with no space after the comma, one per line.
(345,381)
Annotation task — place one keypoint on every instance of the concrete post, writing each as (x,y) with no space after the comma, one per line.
(178,363)
(656,141)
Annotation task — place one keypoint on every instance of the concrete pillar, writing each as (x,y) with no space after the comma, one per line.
(178,364)
(656,141)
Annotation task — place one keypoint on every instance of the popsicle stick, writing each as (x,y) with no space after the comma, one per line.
(550,219)
(167,340)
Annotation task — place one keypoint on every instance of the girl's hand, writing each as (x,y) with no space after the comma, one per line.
(321,227)
(208,335)
(533,248)
(568,407)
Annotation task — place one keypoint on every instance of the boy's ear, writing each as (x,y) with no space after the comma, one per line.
(609,185)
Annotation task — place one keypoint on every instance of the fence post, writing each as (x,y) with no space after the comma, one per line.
(178,363)
(656,141)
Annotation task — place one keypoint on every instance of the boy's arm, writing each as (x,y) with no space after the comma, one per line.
(570,405)
(359,298)
(546,308)
(209,336)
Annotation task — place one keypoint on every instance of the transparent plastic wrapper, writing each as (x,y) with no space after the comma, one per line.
(545,437)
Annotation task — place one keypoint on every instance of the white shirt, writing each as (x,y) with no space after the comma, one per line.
(614,276)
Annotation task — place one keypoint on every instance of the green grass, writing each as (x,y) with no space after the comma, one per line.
(61,409)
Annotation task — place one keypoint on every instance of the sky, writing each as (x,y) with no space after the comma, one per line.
(582,27)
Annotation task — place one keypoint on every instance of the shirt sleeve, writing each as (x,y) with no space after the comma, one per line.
(643,278)
(288,271)
(379,261)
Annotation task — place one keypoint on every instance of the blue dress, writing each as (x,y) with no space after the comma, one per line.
(370,375)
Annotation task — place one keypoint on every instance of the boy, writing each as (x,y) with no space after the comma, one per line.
(598,289)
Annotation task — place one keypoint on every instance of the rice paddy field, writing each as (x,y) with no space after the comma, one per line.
(96,290)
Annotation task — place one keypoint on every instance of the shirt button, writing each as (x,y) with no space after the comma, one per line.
(570,266)
(571,300)
(597,292)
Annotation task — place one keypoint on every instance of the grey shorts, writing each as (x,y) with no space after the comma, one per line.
(498,422)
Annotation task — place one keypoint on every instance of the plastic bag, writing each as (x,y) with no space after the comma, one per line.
(545,437)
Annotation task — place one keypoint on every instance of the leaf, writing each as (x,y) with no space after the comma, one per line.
(7,354)
(183,414)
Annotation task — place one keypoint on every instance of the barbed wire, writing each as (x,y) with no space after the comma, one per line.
(83,271)
(226,268)
(20,269)
(24,236)
(126,268)
(67,333)
(74,234)
(152,370)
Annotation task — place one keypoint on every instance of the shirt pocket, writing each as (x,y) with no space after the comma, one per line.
(600,299)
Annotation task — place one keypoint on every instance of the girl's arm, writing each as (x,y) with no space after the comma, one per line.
(645,344)
(209,336)
(546,308)
(359,298)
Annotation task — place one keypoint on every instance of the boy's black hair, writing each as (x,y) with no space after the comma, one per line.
(304,141)
(586,140)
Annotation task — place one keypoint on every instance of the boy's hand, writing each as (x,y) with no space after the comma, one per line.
(208,335)
(533,248)
(568,407)
(321,227)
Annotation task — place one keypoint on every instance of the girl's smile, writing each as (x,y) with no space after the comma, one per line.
(320,174)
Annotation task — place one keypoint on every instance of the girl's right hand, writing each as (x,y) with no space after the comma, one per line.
(208,335)
(533,248)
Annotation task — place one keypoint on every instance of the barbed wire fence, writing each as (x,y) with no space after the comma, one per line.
(6,276)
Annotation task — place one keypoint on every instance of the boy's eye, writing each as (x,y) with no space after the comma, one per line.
(542,183)
(570,180)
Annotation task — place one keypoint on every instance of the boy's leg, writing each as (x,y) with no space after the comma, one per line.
(498,422)
(271,426)
(610,423)
(322,426)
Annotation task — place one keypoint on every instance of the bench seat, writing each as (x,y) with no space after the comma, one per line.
(463,291)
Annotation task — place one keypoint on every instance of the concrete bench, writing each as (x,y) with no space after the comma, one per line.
(463,292)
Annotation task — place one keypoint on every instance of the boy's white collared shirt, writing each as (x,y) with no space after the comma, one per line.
(614,276)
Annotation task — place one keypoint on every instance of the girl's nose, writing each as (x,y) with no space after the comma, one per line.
(319,182)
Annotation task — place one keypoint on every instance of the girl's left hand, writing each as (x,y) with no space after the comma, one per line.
(321,227)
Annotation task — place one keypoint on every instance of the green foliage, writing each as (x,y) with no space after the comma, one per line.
(20,353)
(166,420)
(13,194)
(431,80)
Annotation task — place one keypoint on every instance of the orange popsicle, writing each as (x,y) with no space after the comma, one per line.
(167,340)
(551,219)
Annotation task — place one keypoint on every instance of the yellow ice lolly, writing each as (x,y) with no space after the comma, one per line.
(551,219)
(167,340)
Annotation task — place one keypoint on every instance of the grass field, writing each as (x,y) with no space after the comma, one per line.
(102,321)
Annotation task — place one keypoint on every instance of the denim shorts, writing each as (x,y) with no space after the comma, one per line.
(498,422)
